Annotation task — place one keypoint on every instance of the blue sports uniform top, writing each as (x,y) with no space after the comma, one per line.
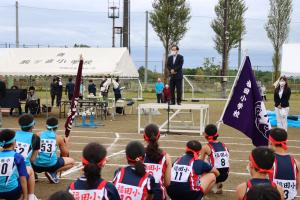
(185,178)
(12,166)
(26,143)
(285,173)
(47,154)
(131,186)
(102,190)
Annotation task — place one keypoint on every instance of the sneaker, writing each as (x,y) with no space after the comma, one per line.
(219,188)
(52,177)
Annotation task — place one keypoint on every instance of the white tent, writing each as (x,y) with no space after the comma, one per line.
(290,63)
(64,61)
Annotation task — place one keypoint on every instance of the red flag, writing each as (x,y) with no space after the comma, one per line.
(73,109)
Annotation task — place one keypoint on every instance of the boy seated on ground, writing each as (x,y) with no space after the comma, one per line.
(28,145)
(217,155)
(47,160)
(260,165)
(286,167)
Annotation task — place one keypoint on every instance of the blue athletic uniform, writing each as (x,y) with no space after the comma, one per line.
(102,190)
(47,159)
(12,166)
(131,186)
(285,173)
(185,178)
(256,181)
(157,170)
(219,158)
(26,143)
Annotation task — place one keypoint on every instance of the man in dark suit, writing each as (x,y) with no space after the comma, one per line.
(175,62)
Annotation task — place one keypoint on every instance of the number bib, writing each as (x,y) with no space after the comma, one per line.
(181,173)
(48,146)
(87,194)
(129,192)
(6,166)
(289,188)
(221,159)
(155,170)
(23,149)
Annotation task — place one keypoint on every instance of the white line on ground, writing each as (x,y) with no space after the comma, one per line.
(114,142)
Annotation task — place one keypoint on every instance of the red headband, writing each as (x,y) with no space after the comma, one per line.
(148,139)
(195,153)
(210,138)
(282,143)
(140,158)
(260,170)
(99,164)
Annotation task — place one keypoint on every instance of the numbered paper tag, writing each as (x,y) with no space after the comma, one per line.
(48,146)
(129,192)
(180,173)
(155,170)
(6,166)
(221,159)
(289,188)
(23,149)
(87,194)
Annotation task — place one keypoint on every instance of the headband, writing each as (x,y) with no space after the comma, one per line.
(140,158)
(210,138)
(195,153)
(148,139)
(282,143)
(52,127)
(99,164)
(260,170)
(3,143)
(29,125)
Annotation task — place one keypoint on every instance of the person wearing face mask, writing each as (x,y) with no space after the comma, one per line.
(282,96)
(174,64)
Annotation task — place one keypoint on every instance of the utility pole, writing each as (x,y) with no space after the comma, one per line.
(17,24)
(225,48)
(125,22)
(240,53)
(113,13)
(146,50)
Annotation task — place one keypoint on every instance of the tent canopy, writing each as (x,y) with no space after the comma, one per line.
(64,61)
(290,63)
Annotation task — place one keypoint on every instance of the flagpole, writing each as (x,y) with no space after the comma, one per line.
(231,92)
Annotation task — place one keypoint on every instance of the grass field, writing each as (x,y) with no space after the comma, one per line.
(115,134)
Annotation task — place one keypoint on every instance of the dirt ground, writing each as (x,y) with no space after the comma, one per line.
(115,134)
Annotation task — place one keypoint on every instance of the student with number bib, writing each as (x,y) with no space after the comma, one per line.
(191,178)
(286,167)
(47,160)
(13,173)
(28,145)
(91,186)
(260,165)
(158,162)
(217,155)
(133,182)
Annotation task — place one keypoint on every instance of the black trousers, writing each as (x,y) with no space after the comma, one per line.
(176,83)
(159,98)
(52,99)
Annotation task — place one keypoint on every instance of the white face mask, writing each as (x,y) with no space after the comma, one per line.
(282,83)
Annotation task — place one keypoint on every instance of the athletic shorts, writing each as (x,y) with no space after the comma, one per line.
(175,193)
(223,175)
(14,194)
(59,164)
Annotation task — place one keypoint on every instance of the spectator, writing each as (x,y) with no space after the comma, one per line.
(264,192)
(264,92)
(70,89)
(117,89)
(167,94)
(32,102)
(53,90)
(19,108)
(159,87)
(59,91)
(92,88)
(2,94)
(81,89)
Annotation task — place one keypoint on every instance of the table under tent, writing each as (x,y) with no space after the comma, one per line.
(45,63)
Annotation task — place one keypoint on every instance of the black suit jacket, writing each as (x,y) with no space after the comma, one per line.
(177,66)
(284,100)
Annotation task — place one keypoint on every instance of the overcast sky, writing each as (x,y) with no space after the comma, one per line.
(62,23)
